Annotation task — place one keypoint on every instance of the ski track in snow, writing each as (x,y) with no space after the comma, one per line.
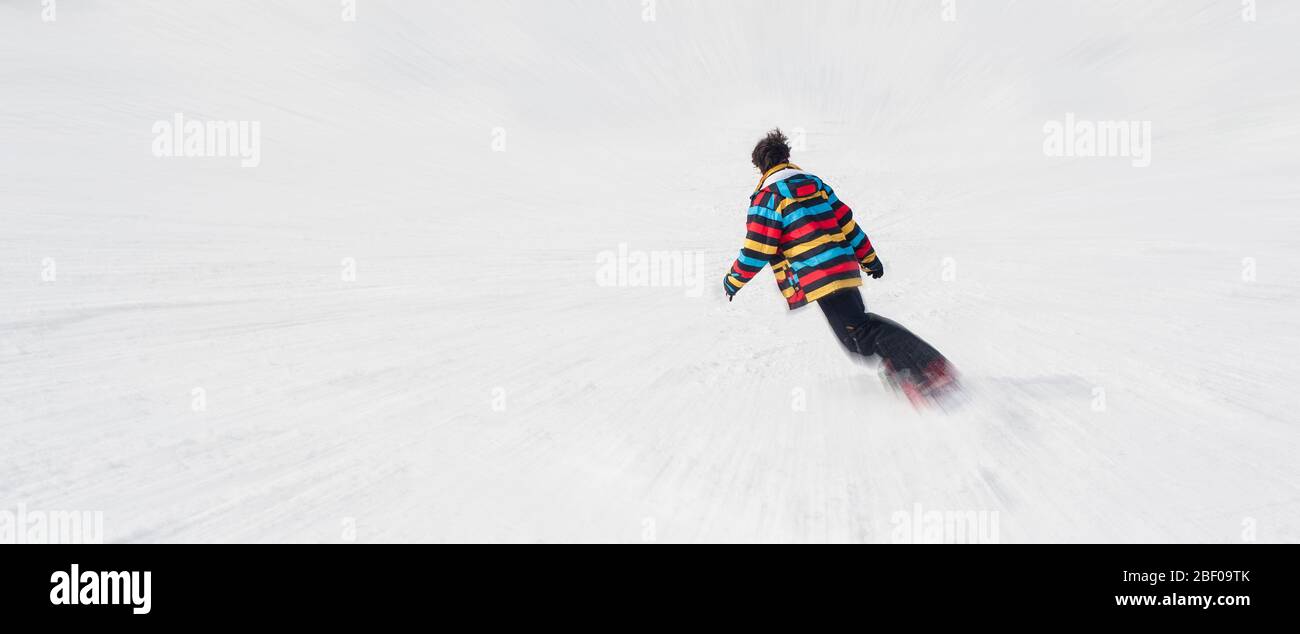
(643,414)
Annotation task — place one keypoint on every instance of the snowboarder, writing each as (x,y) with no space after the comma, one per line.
(798,226)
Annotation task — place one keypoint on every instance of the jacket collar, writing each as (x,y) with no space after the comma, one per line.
(774,172)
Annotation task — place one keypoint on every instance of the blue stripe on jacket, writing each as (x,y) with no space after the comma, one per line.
(829,254)
(811,210)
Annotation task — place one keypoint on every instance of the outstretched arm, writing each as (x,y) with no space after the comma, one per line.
(762,242)
(856,237)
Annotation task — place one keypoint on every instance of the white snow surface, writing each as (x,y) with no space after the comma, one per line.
(1128,335)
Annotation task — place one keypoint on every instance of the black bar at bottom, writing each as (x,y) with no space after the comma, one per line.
(193,585)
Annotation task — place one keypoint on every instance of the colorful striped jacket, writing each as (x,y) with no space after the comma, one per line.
(806,233)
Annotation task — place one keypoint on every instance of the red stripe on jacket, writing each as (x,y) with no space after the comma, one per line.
(771,232)
(820,273)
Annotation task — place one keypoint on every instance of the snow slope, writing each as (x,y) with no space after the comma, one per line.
(183,349)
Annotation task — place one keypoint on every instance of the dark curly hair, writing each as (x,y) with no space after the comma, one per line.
(773,150)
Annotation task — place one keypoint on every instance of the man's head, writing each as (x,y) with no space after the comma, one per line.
(773,150)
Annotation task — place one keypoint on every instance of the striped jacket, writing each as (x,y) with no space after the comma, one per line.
(806,233)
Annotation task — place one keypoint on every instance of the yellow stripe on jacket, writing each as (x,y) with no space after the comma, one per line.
(766,249)
(832,287)
(790,201)
(839,236)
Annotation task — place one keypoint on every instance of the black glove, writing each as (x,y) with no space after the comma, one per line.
(875,268)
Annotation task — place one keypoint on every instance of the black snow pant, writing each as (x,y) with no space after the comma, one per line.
(872,336)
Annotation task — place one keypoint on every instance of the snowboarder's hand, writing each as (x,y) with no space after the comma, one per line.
(726,288)
(873,267)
